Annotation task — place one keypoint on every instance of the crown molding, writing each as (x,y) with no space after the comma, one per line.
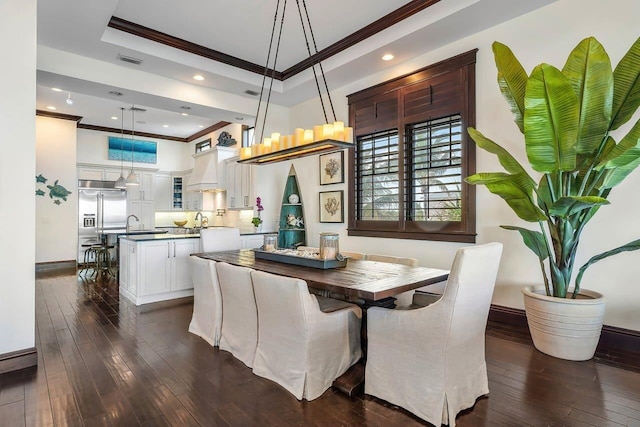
(375,27)
(51,114)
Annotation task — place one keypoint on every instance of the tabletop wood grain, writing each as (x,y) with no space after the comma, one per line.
(369,280)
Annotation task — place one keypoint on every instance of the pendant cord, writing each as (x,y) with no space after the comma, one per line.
(133,134)
(121,141)
(324,79)
(273,70)
(275,61)
(266,69)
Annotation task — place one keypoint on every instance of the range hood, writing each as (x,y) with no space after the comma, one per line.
(208,172)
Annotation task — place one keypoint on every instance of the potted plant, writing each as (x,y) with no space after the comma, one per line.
(257,220)
(567,117)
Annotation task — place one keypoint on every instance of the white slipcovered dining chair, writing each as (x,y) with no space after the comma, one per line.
(207,301)
(218,239)
(403,299)
(239,333)
(431,360)
(300,347)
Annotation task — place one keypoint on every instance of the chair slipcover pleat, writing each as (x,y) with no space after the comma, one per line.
(239,334)
(207,301)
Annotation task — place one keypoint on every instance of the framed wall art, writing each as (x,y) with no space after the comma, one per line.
(124,148)
(332,168)
(332,206)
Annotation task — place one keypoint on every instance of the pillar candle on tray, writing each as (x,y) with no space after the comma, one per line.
(298,137)
(327,131)
(317,133)
(308,136)
(338,131)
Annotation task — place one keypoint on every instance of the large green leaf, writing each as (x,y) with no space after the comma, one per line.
(567,206)
(512,79)
(615,176)
(588,69)
(516,190)
(631,246)
(626,151)
(626,86)
(550,120)
(534,240)
(544,194)
(507,161)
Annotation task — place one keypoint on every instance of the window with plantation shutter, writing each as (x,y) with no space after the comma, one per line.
(433,160)
(412,154)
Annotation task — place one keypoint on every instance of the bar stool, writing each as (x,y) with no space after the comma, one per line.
(103,260)
(90,259)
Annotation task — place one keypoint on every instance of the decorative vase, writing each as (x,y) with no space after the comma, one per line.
(565,328)
(257,228)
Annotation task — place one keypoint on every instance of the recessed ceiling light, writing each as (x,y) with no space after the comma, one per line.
(185,107)
(115,93)
(251,92)
(165,126)
(387,57)
(56,89)
(198,77)
(51,107)
(184,114)
(114,118)
(240,118)
(200,126)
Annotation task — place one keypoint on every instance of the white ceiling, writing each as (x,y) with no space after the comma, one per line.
(78,53)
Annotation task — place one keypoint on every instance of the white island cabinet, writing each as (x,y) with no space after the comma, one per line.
(156,267)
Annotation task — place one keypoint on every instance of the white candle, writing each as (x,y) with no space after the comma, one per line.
(327,131)
(317,133)
(255,150)
(338,131)
(348,134)
(245,152)
(308,136)
(269,248)
(275,137)
(266,145)
(298,137)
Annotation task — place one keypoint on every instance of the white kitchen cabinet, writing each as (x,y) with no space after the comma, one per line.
(156,270)
(252,241)
(239,188)
(98,173)
(145,211)
(163,192)
(143,191)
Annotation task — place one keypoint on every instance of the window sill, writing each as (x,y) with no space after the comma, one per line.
(412,235)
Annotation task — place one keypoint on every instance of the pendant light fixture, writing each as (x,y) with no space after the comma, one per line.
(121,182)
(328,137)
(132,179)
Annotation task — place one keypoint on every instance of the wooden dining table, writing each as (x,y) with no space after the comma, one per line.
(373,282)
(366,283)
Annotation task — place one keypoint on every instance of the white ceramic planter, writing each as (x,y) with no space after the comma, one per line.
(563,327)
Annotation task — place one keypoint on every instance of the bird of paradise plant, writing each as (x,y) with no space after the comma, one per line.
(566,117)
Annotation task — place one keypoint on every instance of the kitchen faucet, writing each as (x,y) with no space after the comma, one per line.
(199,214)
(128,218)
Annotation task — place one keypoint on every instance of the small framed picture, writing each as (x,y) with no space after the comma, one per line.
(332,168)
(332,206)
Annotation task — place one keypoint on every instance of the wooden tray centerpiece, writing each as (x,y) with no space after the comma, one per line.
(289,256)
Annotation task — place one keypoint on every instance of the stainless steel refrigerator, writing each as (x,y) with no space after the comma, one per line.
(101,208)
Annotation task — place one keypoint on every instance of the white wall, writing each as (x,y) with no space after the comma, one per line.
(545,35)
(17,175)
(56,224)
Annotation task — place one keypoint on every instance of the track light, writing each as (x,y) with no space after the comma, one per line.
(69,100)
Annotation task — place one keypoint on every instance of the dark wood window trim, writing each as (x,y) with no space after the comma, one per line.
(398,103)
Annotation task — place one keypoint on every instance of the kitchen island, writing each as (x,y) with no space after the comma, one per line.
(155,267)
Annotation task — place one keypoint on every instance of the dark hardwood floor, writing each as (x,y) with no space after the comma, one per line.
(103,361)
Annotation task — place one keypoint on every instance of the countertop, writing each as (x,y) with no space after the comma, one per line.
(142,236)
(159,236)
